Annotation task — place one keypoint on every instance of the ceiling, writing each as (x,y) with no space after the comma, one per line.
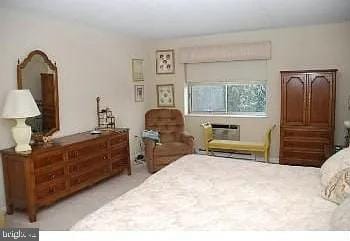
(180,18)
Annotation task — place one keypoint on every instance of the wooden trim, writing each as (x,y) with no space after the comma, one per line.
(53,67)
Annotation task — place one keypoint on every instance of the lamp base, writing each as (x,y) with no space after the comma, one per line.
(21,134)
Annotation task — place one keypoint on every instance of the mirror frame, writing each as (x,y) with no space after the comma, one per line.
(53,67)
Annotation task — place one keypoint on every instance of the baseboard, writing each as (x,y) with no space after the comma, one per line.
(244,156)
(275,160)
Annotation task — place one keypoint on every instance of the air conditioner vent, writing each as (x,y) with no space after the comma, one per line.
(226,132)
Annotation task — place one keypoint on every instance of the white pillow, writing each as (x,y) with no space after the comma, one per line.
(338,189)
(340,219)
(336,163)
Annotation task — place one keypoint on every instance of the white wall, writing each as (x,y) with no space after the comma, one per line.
(311,47)
(90,63)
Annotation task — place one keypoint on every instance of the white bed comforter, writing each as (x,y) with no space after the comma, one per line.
(210,193)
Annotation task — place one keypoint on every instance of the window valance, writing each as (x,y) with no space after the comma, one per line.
(225,53)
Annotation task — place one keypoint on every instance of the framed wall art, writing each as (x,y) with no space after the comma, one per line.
(165,61)
(137,70)
(165,95)
(139,93)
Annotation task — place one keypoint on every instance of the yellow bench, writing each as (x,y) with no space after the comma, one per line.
(211,144)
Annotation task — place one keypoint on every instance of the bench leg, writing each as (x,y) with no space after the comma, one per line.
(266,156)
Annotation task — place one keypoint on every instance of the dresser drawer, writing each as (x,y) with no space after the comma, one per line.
(89,163)
(51,190)
(50,175)
(118,167)
(119,140)
(119,155)
(91,176)
(87,149)
(47,159)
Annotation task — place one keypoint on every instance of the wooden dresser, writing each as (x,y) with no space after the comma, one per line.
(56,170)
(307,116)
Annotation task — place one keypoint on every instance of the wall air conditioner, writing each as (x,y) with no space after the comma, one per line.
(226,132)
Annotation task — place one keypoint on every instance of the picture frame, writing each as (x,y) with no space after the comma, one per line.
(137,70)
(165,61)
(139,93)
(165,95)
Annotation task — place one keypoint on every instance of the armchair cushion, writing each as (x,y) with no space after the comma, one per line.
(172,149)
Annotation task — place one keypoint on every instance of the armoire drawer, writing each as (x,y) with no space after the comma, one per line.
(87,149)
(305,133)
(303,155)
(47,159)
(304,144)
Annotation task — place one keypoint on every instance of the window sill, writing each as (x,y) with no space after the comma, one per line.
(229,116)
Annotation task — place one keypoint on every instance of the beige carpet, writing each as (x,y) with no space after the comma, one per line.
(65,213)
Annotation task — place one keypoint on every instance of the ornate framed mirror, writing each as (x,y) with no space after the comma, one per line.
(38,74)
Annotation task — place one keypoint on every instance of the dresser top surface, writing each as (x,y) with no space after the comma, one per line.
(66,141)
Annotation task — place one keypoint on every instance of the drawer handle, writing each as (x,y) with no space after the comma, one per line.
(52,176)
(52,189)
(104,157)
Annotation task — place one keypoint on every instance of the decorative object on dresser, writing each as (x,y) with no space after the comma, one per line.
(63,167)
(38,74)
(105,118)
(307,116)
(165,61)
(19,105)
(174,141)
(165,95)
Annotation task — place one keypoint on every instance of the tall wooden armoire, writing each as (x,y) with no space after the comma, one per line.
(307,116)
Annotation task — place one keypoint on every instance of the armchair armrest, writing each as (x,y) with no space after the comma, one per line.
(149,146)
(187,138)
(149,149)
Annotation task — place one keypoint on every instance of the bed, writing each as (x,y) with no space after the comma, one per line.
(200,192)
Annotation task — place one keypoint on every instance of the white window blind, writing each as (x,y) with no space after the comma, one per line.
(235,71)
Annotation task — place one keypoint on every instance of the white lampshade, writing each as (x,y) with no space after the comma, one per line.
(20,104)
(347,124)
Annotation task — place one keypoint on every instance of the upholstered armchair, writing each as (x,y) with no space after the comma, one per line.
(174,142)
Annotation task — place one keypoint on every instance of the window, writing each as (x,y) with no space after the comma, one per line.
(227,98)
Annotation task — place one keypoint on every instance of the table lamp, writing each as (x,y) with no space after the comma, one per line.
(19,105)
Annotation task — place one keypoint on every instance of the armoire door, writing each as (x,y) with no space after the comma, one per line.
(320,99)
(294,99)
